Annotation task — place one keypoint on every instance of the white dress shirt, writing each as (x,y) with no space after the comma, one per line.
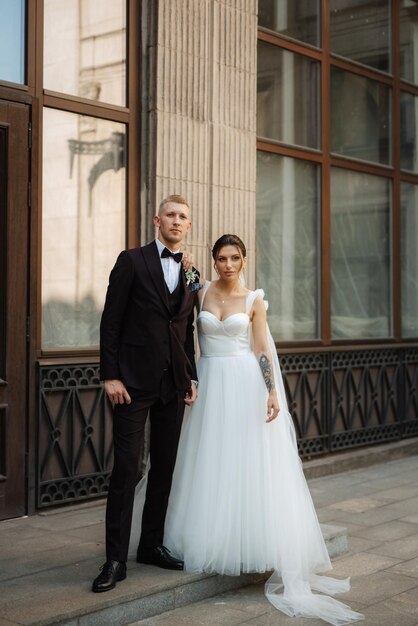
(170,267)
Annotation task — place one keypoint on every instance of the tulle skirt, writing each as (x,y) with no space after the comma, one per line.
(239,499)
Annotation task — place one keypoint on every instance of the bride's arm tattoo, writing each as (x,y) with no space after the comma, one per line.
(266,371)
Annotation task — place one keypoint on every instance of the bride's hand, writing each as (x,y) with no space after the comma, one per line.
(187,260)
(272,406)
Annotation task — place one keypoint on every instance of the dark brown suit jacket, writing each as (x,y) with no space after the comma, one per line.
(139,336)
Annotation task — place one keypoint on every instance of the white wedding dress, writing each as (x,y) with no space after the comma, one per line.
(239,500)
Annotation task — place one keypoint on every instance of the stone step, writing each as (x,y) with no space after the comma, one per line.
(63,596)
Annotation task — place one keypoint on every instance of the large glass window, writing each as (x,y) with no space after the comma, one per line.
(299,20)
(360,117)
(409,251)
(360,255)
(85,49)
(409,40)
(409,132)
(288,248)
(360,30)
(287,97)
(367,154)
(83,223)
(12,40)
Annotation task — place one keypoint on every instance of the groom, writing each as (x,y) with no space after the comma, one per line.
(147,364)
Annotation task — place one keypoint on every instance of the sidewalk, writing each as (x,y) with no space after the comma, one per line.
(47,563)
(379,506)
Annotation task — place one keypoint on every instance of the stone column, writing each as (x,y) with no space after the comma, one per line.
(202,118)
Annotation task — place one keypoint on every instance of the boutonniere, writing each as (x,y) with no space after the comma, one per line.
(192,280)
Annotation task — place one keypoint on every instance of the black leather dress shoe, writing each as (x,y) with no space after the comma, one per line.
(160,557)
(111,573)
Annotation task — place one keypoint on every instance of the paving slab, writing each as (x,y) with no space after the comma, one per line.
(404,603)
(362,564)
(357,505)
(412,519)
(14,535)
(94,532)
(406,507)
(387,531)
(409,568)
(372,517)
(387,614)
(379,586)
(18,549)
(399,493)
(358,544)
(388,482)
(404,548)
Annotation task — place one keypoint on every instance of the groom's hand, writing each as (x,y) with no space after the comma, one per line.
(191,395)
(116,392)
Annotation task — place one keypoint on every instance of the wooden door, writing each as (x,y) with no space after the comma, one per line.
(14,213)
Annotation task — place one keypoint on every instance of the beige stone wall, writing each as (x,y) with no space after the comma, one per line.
(202,118)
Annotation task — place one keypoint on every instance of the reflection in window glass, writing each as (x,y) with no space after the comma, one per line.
(409,251)
(83,223)
(85,49)
(3,253)
(12,40)
(287,97)
(409,135)
(299,20)
(360,256)
(409,40)
(360,117)
(288,246)
(360,30)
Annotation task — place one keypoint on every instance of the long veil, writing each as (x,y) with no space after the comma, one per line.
(303,553)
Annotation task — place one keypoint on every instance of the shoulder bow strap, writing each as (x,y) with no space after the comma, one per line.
(252,297)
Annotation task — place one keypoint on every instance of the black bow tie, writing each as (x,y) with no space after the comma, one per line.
(177,256)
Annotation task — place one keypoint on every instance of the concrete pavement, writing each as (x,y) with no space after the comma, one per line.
(47,563)
(379,506)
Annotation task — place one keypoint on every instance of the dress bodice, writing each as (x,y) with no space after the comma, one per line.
(228,337)
(223,337)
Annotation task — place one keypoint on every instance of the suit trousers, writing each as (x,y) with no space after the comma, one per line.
(166,409)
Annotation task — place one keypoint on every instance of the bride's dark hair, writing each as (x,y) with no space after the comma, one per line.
(228,240)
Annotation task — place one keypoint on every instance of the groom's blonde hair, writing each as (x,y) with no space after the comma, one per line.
(177,198)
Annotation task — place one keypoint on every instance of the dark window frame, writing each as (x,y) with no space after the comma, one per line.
(327,160)
(129,115)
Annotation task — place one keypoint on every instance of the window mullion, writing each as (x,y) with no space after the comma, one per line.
(396,187)
(325,178)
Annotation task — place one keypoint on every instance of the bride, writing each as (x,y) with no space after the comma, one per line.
(239,501)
